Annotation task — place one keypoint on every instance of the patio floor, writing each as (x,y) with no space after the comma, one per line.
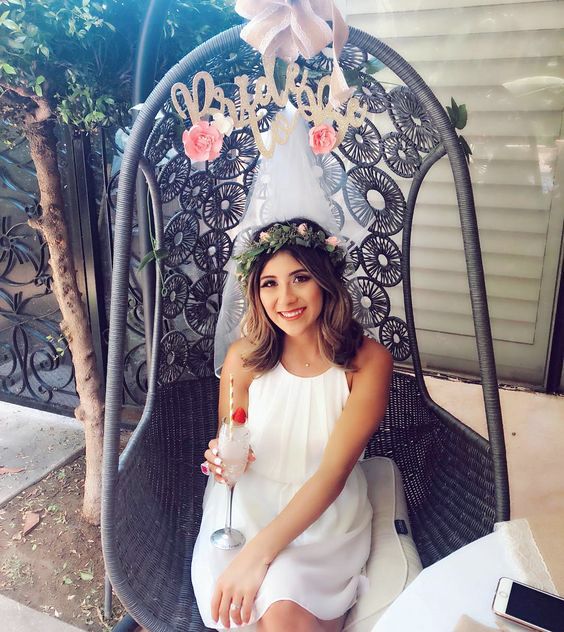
(534,438)
(35,442)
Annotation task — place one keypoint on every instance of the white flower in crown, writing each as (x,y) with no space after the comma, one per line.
(224,124)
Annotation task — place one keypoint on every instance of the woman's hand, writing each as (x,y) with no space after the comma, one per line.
(213,463)
(237,586)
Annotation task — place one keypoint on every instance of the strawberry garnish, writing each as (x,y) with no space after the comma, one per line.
(239,416)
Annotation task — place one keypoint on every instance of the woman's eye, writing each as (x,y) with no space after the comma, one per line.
(301,278)
(269,283)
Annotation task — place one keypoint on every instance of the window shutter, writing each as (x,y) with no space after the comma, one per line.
(506,63)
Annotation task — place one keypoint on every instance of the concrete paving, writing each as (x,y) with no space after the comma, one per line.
(36,441)
(16,617)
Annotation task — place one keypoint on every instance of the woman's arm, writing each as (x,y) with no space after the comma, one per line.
(363,412)
(242,378)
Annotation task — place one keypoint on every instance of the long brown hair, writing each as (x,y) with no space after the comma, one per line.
(339,336)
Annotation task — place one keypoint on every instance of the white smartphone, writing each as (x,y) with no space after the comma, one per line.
(529,606)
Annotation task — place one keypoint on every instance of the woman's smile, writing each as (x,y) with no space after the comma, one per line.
(294,314)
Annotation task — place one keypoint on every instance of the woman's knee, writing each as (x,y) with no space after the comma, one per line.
(287,616)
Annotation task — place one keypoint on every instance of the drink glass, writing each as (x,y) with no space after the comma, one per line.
(234,452)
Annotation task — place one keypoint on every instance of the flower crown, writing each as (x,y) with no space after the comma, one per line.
(279,235)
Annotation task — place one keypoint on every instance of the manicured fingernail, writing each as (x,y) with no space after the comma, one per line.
(205,469)
(215,451)
(217,461)
(218,470)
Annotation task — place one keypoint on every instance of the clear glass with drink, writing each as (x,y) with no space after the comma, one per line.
(233,448)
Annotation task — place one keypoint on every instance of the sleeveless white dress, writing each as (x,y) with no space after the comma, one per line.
(290,419)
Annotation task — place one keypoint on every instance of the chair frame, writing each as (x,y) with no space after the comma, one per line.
(133,160)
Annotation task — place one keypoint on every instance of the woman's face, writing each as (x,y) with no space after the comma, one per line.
(291,297)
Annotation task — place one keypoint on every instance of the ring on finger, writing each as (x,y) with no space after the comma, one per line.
(235,606)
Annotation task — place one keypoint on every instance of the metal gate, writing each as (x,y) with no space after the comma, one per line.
(35,365)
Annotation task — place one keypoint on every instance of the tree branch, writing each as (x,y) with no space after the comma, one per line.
(42,110)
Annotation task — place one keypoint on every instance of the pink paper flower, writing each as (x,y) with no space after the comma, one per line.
(302,229)
(332,241)
(264,236)
(322,138)
(202,142)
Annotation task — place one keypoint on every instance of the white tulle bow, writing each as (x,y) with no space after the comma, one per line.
(288,28)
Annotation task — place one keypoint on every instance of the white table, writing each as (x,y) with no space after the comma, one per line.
(464,583)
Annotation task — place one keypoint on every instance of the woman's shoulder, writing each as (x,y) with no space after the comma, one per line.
(234,360)
(239,348)
(373,357)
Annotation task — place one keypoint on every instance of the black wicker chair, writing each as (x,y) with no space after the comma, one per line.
(455,481)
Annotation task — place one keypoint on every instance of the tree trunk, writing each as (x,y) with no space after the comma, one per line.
(75,324)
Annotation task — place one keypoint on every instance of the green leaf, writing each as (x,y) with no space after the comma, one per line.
(17,43)
(462,117)
(67,580)
(454,110)
(352,77)
(150,256)
(38,90)
(373,66)
(465,147)
(10,24)
(86,576)
(8,69)
(161,253)
(280,69)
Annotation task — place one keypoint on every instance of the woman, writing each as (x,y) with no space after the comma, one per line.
(315,389)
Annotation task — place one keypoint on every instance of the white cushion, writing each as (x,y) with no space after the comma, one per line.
(394,561)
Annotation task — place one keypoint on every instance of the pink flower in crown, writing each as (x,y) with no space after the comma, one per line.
(202,142)
(264,236)
(302,229)
(322,139)
(332,241)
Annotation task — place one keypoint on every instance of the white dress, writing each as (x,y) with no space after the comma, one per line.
(290,419)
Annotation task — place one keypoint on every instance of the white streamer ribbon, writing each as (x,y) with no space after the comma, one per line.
(288,28)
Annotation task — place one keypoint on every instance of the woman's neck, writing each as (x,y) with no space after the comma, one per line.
(303,348)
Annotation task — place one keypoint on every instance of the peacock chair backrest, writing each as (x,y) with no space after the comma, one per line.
(455,481)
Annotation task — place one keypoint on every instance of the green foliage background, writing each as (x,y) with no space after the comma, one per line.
(79,54)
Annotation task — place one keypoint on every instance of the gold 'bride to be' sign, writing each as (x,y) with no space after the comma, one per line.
(310,104)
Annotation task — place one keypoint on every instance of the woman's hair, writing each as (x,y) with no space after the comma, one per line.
(339,335)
